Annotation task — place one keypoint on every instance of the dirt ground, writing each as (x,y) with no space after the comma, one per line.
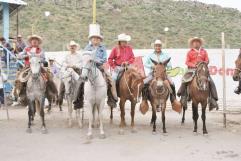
(71,144)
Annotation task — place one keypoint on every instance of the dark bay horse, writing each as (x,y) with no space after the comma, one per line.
(237,71)
(199,90)
(159,92)
(130,87)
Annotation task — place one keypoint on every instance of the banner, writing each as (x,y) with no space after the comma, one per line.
(178,57)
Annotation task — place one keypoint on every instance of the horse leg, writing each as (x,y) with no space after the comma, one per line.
(164,118)
(204,119)
(133,105)
(78,118)
(195,116)
(153,119)
(122,108)
(111,115)
(30,116)
(183,115)
(41,104)
(70,110)
(90,112)
(100,110)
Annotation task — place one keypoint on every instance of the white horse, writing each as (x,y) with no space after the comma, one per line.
(36,88)
(70,78)
(95,92)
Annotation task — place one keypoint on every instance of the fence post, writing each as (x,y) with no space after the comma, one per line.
(224,81)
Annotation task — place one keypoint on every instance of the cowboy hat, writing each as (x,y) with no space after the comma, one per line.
(30,38)
(73,43)
(94,31)
(19,36)
(158,42)
(124,37)
(191,40)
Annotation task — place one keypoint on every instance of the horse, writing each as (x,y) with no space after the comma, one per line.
(129,88)
(35,90)
(159,91)
(52,92)
(70,78)
(237,70)
(95,92)
(199,90)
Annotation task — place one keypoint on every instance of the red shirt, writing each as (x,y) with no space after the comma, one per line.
(27,52)
(194,56)
(120,55)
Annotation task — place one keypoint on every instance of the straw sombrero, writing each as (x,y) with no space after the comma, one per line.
(39,38)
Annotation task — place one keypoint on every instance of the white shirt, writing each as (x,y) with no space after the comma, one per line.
(3,78)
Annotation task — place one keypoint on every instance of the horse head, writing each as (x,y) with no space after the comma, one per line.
(35,66)
(202,74)
(88,65)
(237,71)
(159,74)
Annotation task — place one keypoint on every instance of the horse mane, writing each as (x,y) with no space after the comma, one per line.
(134,72)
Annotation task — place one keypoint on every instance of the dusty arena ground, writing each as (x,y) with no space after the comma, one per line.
(70,144)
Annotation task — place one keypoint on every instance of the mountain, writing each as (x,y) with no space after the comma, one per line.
(144,20)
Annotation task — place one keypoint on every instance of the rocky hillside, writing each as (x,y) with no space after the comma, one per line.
(144,20)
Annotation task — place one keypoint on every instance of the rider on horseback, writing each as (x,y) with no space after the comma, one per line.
(159,56)
(33,49)
(73,62)
(121,56)
(194,56)
(100,57)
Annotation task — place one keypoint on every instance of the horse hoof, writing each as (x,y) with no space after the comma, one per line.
(81,126)
(134,130)
(205,133)
(70,124)
(153,132)
(29,130)
(164,134)
(89,137)
(44,131)
(102,136)
(121,132)
(195,133)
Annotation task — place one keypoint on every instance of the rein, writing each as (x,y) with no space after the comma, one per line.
(125,69)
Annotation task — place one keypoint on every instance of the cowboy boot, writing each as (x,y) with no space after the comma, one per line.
(113,90)
(144,104)
(176,105)
(184,96)
(213,96)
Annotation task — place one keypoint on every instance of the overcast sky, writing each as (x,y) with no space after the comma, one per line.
(225,3)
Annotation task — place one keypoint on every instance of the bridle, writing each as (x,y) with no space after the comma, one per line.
(200,77)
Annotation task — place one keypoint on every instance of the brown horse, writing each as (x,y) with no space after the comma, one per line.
(237,71)
(130,87)
(159,92)
(199,90)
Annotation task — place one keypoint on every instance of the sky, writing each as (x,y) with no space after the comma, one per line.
(225,3)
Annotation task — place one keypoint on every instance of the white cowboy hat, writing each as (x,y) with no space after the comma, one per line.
(94,31)
(124,37)
(158,42)
(96,35)
(73,43)
(191,40)
(19,36)
(30,38)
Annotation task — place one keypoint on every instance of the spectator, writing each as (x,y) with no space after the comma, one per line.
(5,44)
(20,45)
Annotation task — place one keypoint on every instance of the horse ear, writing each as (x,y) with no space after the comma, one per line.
(154,62)
(166,61)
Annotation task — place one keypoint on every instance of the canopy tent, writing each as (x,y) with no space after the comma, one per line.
(7,8)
